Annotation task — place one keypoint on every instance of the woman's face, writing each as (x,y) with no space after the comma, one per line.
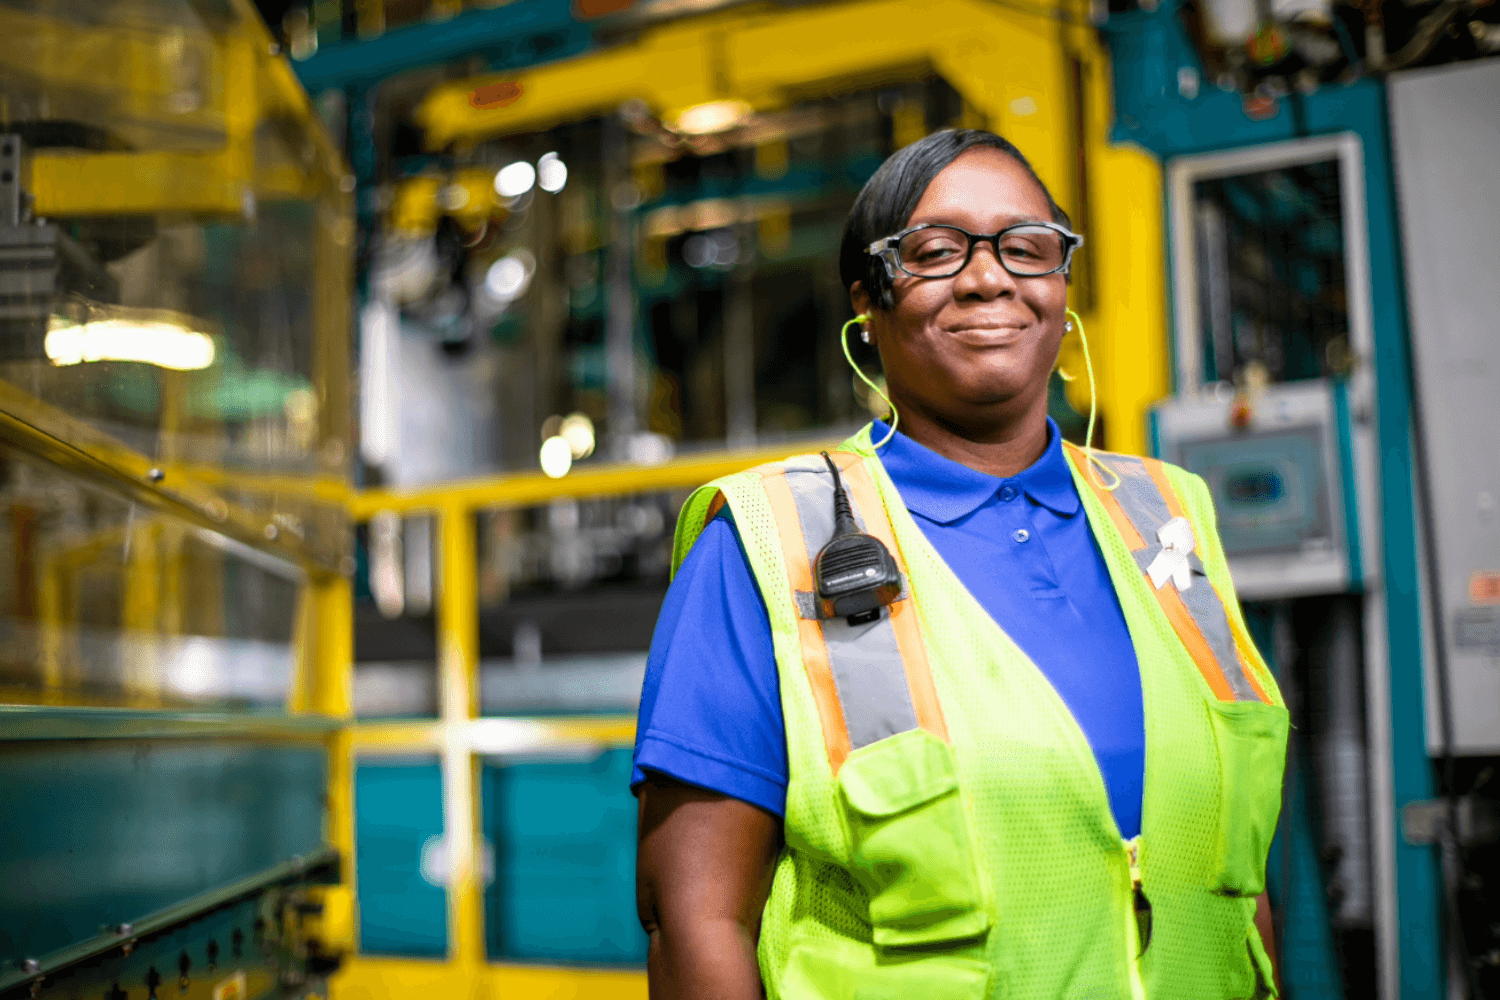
(973,351)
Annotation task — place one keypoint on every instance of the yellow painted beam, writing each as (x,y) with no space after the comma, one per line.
(134,184)
(585,481)
(364,978)
(494,735)
(194,134)
(458,704)
(766,58)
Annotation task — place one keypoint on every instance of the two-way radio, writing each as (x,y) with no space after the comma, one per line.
(856,573)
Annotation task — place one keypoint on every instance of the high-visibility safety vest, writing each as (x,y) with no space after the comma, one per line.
(948,833)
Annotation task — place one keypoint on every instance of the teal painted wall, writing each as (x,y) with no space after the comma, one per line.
(96,833)
(564,840)
(398,809)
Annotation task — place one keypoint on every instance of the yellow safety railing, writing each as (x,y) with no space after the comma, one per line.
(460,736)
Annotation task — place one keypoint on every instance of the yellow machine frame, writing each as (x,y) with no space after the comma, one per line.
(251,83)
(1035,74)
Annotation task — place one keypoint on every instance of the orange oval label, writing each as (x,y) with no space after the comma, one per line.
(1484,587)
(496,95)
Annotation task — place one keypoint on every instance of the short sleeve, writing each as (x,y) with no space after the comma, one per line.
(710,710)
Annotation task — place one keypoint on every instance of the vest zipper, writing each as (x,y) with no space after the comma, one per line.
(1137,920)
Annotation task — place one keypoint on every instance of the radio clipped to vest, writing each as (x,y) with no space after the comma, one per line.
(855,573)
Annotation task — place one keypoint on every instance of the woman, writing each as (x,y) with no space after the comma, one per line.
(886,795)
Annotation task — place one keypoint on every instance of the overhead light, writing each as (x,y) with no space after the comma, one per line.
(510,276)
(515,179)
(151,342)
(556,457)
(578,430)
(551,173)
(711,117)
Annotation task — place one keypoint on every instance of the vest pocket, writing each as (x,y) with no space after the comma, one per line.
(840,969)
(910,844)
(1251,738)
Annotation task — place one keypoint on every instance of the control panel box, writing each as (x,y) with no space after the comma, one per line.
(1274,465)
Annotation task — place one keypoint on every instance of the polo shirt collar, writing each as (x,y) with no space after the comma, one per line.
(943,490)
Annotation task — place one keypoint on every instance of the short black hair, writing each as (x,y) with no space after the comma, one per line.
(891,195)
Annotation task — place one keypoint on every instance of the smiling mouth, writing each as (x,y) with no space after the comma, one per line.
(988,334)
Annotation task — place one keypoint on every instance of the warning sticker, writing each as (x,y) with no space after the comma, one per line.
(1477,629)
(1484,587)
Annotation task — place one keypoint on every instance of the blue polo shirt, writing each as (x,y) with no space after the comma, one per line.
(710,710)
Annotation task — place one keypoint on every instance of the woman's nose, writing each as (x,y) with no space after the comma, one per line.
(984,277)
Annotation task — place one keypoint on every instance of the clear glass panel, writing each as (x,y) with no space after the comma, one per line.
(1272,289)
(105,602)
(191,242)
(569,595)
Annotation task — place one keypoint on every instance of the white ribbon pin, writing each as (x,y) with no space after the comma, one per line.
(1176,538)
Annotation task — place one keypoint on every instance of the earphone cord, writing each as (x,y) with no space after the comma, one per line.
(844,342)
(1091,462)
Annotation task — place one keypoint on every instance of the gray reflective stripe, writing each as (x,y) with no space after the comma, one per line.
(866,663)
(1141,500)
(1208,611)
(871,680)
(1138,495)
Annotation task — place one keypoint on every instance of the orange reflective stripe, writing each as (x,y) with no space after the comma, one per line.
(714,506)
(904,622)
(809,633)
(1171,602)
(1158,475)
(1122,522)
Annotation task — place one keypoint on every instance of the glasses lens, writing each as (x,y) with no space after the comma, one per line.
(1032,250)
(935,252)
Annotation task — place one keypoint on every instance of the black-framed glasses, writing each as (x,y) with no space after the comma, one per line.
(1027,250)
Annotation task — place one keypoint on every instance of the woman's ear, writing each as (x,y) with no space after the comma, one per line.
(859,299)
(861,303)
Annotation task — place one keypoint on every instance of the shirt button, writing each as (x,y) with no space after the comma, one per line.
(1021,535)
(1008,493)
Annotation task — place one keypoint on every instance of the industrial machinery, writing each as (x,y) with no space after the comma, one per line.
(1294,398)
(174,440)
(1272,291)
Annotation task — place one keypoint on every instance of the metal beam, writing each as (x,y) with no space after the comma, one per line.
(508,31)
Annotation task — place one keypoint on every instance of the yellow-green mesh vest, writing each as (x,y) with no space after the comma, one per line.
(1015,800)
